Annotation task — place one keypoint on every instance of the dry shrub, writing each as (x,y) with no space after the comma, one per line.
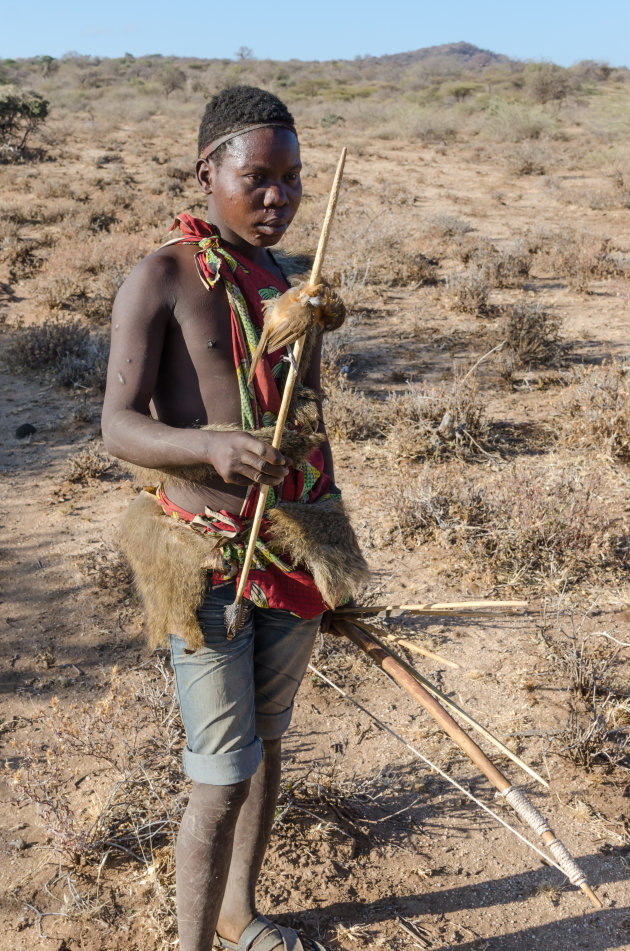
(598,735)
(600,408)
(508,265)
(387,252)
(18,256)
(89,463)
(530,530)
(85,277)
(62,293)
(528,158)
(412,267)
(14,213)
(443,225)
(516,121)
(422,423)
(108,569)
(621,184)
(66,349)
(350,414)
(434,422)
(422,512)
(587,661)
(583,258)
(532,335)
(468,291)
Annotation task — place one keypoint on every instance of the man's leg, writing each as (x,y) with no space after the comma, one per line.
(202,855)
(253,830)
(282,648)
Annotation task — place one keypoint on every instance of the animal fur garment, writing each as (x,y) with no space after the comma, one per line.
(321,538)
(170,563)
(296,444)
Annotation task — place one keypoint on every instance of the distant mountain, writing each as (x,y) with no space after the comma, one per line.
(460,55)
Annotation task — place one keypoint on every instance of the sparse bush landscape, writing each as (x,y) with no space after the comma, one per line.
(478,404)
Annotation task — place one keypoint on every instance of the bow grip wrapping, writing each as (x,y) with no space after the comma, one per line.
(529,814)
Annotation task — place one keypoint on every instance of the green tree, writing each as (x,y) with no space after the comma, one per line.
(21,112)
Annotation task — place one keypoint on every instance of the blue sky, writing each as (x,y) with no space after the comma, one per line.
(558,30)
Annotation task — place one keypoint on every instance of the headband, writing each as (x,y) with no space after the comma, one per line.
(212,146)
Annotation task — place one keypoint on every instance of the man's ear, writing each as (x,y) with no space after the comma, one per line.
(205,175)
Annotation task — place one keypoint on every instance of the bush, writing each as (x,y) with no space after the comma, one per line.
(434,422)
(66,349)
(600,409)
(532,335)
(21,112)
(583,258)
(505,266)
(89,463)
(468,291)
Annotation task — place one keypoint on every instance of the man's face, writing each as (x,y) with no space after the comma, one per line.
(255,191)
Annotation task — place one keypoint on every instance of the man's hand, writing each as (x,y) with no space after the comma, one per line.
(241,459)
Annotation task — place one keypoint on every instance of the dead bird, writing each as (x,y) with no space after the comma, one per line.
(289,316)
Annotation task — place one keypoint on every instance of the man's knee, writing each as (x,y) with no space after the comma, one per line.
(272,747)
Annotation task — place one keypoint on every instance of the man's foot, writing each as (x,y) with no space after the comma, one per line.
(262,934)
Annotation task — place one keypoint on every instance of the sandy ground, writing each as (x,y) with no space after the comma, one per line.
(370,849)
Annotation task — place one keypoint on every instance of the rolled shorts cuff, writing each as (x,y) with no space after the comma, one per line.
(223,769)
(271,726)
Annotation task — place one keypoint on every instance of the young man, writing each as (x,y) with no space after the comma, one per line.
(184,327)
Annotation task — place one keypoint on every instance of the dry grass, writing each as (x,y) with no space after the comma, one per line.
(435,422)
(350,414)
(598,734)
(599,408)
(66,350)
(504,265)
(535,529)
(582,258)
(424,422)
(131,738)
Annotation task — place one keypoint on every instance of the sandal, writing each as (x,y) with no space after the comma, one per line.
(262,934)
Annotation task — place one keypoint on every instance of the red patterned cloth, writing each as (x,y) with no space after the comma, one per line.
(272,581)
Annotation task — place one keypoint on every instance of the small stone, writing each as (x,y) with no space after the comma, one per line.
(26,429)
(18,844)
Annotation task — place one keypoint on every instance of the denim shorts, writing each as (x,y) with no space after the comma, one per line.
(233,694)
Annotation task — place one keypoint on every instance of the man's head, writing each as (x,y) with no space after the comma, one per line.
(249,166)
(235,109)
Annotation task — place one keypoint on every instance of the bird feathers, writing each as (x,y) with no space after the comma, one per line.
(295,312)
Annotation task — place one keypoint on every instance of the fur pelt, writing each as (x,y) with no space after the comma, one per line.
(296,444)
(170,562)
(321,538)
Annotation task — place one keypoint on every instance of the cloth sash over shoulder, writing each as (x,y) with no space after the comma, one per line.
(307,558)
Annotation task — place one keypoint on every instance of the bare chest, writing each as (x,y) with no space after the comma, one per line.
(197,382)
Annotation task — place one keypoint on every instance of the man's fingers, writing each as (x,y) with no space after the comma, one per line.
(270,454)
(260,471)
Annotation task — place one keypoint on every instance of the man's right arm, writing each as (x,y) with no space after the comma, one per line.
(140,318)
